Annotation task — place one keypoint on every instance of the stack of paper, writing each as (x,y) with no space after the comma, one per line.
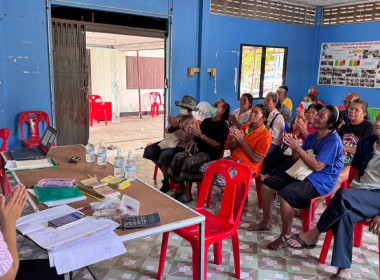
(66,245)
(116,183)
(13,165)
(101,187)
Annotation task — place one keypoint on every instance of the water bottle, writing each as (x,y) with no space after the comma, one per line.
(118,167)
(130,168)
(90,152)
(102,154)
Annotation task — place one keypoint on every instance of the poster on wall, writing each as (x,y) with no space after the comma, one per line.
(350,64)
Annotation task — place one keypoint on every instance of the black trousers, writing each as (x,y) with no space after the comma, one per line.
(347,207)
(38,269)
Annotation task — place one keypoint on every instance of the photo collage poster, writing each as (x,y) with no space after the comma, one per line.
(354,64)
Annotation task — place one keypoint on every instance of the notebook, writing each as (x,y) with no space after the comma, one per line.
(36,152)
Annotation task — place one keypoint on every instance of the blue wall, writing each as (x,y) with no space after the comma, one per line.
(2,91)
(227,33)
(25,62)
(347,33)
(199,39)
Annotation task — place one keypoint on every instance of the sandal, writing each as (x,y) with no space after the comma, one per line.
(302,243)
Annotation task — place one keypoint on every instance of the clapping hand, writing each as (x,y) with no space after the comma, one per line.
(195,129)
(239,135)
(172,121)
(291,141)
(300,113)
(11,208)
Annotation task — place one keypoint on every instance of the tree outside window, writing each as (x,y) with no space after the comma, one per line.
(262,69)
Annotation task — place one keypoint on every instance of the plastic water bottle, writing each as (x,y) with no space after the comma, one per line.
(130,168)
(90,152)
(118,167)
(102,154)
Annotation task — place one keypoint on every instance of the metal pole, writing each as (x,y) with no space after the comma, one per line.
(138,81)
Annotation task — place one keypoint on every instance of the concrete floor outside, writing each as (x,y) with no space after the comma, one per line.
(131,134)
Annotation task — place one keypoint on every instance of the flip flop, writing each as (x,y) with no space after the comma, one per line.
(302,243)
(180,199)
(336,277)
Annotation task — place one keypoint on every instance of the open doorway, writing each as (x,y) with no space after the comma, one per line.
(106,48)
(127,72)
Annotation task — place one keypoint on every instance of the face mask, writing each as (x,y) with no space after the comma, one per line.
(183,111)
(306,104)
(213,112)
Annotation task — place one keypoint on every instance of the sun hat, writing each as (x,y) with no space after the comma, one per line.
(187,102)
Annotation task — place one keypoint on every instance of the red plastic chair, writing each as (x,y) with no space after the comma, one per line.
(33,119)
(154,106)
(97,109)
(218,226)
(221,156)
(4,134)
(358,230)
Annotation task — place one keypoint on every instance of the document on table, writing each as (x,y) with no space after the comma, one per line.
(14,165)
(39,220)
(98,248)
(54,238)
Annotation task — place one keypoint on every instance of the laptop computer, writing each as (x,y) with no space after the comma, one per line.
(36,152)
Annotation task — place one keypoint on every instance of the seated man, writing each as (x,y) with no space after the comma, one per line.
(296,191)
(347,102)
(314,91)
(281,107)
(350,206)
(287,101)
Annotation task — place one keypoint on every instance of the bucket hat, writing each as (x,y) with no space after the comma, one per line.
(187,102)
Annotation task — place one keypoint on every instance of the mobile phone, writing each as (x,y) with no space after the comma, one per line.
(66,220)
(74,159)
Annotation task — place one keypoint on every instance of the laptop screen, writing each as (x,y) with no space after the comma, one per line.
(47,139)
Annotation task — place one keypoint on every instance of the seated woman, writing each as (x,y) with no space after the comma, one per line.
(275,122)
(241,115)
(210,137)
(249,145)
(303,106)
(347,207)
(278,162)
(180,126)
(326,166)
(351,132)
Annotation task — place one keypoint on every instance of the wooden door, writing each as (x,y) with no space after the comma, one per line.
(70,82)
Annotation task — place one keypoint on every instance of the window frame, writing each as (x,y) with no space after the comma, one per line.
(262,69)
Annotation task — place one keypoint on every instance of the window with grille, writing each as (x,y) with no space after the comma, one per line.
(265,10)
(262,69)
(365,12)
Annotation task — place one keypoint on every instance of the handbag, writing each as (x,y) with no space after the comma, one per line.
(170,141)
(191,148)
(300,170)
